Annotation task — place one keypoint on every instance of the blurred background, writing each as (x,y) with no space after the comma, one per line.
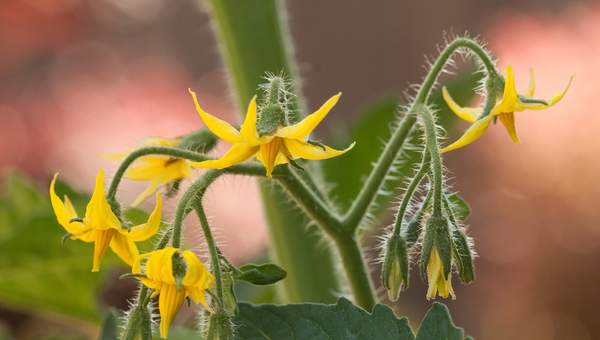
(81,78)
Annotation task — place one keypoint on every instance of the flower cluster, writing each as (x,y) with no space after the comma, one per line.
(171,273)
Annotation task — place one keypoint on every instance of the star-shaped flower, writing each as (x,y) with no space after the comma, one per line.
(283,145)
(101,226)
(505,107)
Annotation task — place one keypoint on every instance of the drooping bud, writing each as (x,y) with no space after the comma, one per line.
(395,267)
(436,258)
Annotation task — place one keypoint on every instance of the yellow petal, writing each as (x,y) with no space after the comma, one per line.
(531,89)
(64,211)
(146,230)
(102,240)
(160,265)
(217,126)
(124,247)
(236,154)
(248,129)
(469,114)
(169,302)
(302,129)
(196,275)
(472,134)
(146,193)
(551,102)
(270,152)
(98,214)
(508,120)
(510,98)
(305,150)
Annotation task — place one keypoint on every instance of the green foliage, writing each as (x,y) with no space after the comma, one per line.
(438,325)
(340,322)
(315,321)
(36,270)
(264,274)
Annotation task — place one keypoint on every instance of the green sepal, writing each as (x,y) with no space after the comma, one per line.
(394,275)
(443,242)
(230,303)
(426,247)
(463,256)
(263,274)
(201,141)
(460,207)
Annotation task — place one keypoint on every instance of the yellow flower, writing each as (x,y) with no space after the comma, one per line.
(438,283)
(284,145)
(157,169)
(174,275)
(101,226)
(504,109)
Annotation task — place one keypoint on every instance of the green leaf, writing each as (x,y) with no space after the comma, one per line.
(460,207)
(438,325)
(264,274)
(316,321)
(108,330)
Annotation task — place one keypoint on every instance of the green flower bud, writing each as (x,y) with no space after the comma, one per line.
(395,267)
(230,303)
(436,258)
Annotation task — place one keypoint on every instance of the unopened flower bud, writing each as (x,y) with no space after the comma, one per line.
(436,258)
(220,327)
(395,267)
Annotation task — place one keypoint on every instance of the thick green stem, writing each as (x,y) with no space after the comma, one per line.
(314,207)
(367,195)
(254,41)
(212,248)
(356,271)
(436,158)
(134,325)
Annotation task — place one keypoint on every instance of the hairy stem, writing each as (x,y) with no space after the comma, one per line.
(436,158)
(145,151)
(212,248)
(356,271)
(393,148)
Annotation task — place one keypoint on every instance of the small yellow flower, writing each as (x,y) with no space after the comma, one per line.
(504,109)
(174,275)
(157,169)
(284,145)
(101,226)
(438,283)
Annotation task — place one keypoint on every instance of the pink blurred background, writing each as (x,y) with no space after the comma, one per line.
(83,78)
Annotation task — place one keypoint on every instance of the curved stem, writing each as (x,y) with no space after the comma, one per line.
(436,159)
(145,151)
(212,248)
(410,190)
(365,198)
